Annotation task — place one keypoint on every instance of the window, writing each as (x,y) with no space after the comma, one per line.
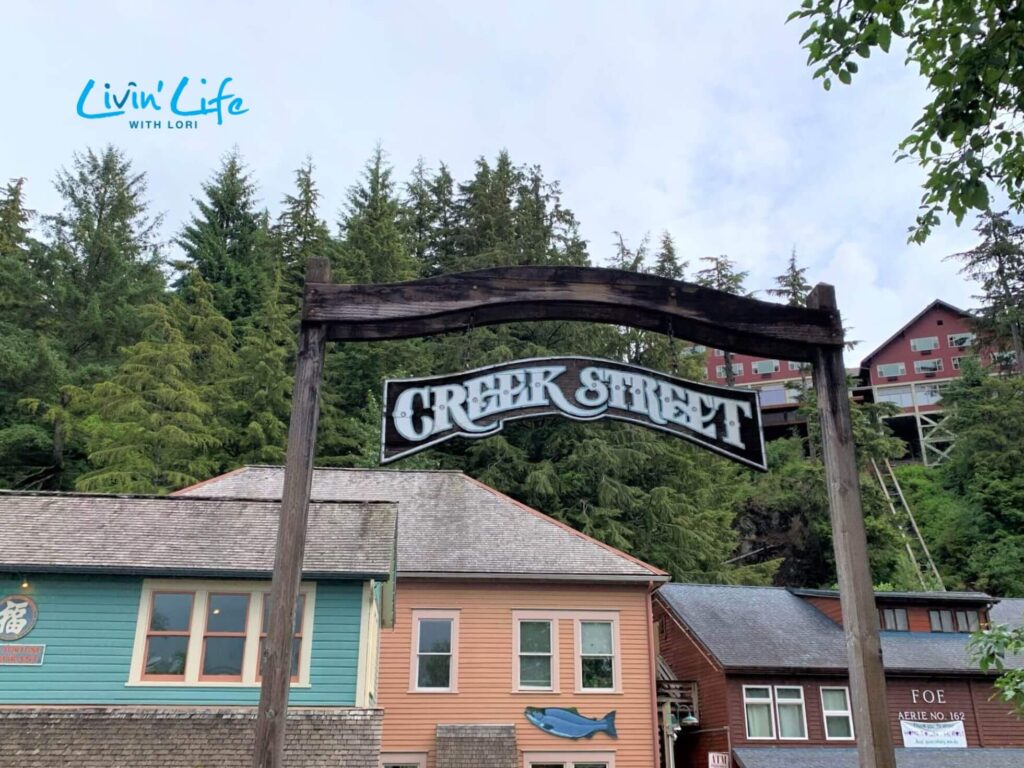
(941,621)
(902,396)
(894,620)
(200,633)
(435,656)
(227,616)
(960,340)
(403,760)
(737,369)
(597,655)
(835,708)
(757,704)
(888,370)
(925,343)
(535,655)
(296,633)
(789,706)
(719,353)
(569,760)
(968,621)
(698,349)
(170,620)
(765,366)
(798,366)
(773,396)
(928,366)
(928,394)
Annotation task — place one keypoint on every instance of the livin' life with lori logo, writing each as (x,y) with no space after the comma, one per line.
(188,100)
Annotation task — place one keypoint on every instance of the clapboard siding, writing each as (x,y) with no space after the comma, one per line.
(88,626)
(998,724)
(690,662)
(485,647)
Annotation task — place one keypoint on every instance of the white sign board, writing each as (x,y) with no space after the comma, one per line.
(951,734)
(718,760)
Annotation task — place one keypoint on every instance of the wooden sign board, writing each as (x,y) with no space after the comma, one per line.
(423,412)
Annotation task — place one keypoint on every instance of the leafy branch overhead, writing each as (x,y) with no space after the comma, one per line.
(969,136)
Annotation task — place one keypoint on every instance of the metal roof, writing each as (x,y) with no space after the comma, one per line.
(450,525)
(792,635)
(906,597)
(846,757)
(178,536)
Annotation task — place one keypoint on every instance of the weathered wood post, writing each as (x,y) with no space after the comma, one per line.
(268,751)
(849,538)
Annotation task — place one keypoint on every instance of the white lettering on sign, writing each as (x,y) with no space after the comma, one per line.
(422,412)
(928,696)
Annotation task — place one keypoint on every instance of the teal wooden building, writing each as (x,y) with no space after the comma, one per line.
(149,613)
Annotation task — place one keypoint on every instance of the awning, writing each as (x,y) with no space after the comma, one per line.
(846,757)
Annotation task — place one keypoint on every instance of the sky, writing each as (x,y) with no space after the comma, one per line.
(696,118)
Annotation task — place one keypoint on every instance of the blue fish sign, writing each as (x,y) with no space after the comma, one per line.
(569,723)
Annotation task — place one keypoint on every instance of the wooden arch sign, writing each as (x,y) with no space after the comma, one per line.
(334,312)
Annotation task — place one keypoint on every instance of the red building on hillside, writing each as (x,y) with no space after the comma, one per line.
(767,674)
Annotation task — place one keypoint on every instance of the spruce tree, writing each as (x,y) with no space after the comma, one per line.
(226,241)
(300,235)
(666,262)
(722,275)
(791,285)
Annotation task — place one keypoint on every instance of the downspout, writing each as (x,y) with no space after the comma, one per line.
(653,665)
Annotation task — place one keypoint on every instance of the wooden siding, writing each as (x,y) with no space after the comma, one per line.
(88,627)
(998,724)
(485,666)
(938,322)
(690,661)
(829,606)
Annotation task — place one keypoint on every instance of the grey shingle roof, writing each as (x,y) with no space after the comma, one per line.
(451,525)
(791,634)
(186,536)
(1009,610)
(846,757)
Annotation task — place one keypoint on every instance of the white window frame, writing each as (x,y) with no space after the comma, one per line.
(933,363)
(797,366)
(737,370)
(827,713)
(394,759)
(518,617)
(718,353)
(916,347)
(607,617)
(790,702)
(966,345)
(418,615)
(881,375)
(770,701)
(201,590)
(773,363)
(955,361)
(568,759)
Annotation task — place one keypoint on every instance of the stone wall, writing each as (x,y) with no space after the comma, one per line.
(137,737)
(474,746)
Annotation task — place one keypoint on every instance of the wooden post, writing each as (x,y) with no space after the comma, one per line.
(856,588)
(268,751)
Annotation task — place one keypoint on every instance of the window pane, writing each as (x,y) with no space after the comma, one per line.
(590,765)
(936,622)
(597,637)
(535,637)
(300,606)
(434,672)
(901,620)
(435,635)
(791,721)
(759,721)
(597,673)
(757,693)
(171,612)
(947,621)
(223,656)
(166,655)
(833,699)
(973,622)
(226,613)
(789,693)
(838,727)
(535,671)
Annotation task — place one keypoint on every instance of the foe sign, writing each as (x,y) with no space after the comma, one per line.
(419,413)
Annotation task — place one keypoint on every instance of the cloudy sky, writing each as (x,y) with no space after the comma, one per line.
(697,118)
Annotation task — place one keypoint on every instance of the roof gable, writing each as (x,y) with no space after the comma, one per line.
(452,525)
(169,536)
(866,362)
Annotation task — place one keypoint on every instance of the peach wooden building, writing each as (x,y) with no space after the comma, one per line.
(499,610)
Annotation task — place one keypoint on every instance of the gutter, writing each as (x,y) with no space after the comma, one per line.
(589,578)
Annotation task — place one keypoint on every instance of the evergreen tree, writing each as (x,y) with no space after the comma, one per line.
(791,285)
(226,242)
(152,428)
(301,235)
(997,264)
(722,275)
(666,263)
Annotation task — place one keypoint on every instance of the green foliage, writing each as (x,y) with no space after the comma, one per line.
(792,285)
(971,53)
(989,649)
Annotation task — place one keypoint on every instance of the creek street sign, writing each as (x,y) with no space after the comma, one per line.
(423,412)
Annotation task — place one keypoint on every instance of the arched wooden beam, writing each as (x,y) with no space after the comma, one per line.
(514,294)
